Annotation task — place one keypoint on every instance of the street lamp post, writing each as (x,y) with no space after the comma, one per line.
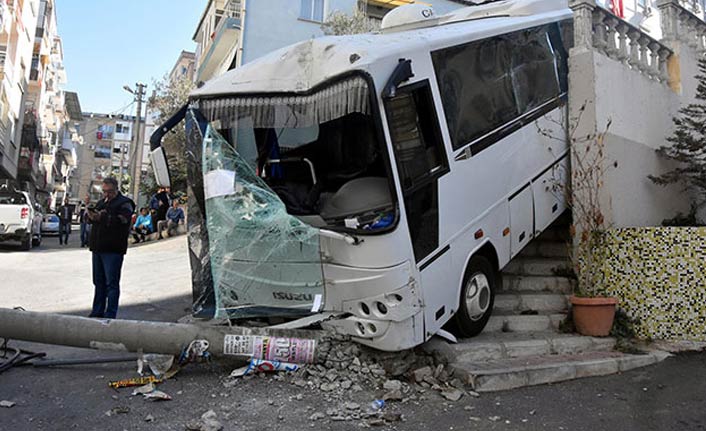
(136,153)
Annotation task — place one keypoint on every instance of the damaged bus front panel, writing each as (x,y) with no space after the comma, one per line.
(300,210)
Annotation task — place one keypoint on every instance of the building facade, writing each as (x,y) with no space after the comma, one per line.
(231,33)
(184,67)
(38,137)
(106,149)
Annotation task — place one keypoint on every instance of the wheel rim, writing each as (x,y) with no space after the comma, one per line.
(477,296)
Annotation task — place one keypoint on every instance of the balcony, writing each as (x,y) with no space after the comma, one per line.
(223,42)
(35,71)
(6,66)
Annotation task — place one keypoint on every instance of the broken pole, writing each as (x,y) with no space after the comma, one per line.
(127,335)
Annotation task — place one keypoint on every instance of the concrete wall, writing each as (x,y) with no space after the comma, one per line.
(659,277)
(639,126)
(640,107)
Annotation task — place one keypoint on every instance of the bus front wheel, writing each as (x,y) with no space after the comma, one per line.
(477,297)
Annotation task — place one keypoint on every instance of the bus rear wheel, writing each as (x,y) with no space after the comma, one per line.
(477,298)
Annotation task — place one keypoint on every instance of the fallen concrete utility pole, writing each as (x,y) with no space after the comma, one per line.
(152,337)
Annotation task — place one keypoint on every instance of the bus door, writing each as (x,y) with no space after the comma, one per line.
(421,161)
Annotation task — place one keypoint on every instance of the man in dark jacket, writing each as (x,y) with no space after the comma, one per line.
(110,227)
(65,213)
(163,199)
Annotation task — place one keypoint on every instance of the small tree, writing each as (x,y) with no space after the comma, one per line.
(168,97)
(339,23)
(126,180)
(583,194)
(688,145)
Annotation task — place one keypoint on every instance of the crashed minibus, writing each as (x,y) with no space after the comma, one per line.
(379,182)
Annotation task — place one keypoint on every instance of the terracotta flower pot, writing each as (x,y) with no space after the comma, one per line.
(593,316)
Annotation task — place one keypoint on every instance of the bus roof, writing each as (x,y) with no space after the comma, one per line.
(302,66)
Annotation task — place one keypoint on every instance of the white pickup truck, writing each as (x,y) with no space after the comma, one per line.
(20,218)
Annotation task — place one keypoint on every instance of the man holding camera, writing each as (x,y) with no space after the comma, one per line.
(110,227)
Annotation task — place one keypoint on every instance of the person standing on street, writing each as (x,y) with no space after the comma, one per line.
(110,227)
(83,219)
(163,198)
(65,213)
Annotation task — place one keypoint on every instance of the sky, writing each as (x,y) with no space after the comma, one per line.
(110,43)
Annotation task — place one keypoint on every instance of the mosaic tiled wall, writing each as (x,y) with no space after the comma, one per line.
(659,276)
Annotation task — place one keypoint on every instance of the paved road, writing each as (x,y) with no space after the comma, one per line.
(156,283)
(667,396)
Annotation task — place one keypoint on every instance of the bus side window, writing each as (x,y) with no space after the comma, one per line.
(487,85)
(476,87)
(421,160)
(534,69)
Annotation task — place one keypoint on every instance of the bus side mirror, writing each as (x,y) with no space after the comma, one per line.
(159,164)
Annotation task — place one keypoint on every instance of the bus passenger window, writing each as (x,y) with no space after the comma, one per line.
(490,83)
(534,69)
(476,88)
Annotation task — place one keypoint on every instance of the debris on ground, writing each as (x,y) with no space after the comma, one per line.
(208,422)
(452,394)
(159,365)
(149,418)
(149,387)
(196,351)
(139,381)
(6,404)
(156,395)
(263,366)
(344,371)
(120,410)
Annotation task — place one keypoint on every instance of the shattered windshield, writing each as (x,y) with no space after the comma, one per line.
(263,260)
(276,169)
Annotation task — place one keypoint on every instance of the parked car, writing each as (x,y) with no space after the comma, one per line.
(18,218)
(50,224)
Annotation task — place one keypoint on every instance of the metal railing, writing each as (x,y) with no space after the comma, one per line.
(232,8)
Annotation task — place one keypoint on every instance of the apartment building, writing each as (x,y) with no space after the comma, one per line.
(19,21)
(184,67)
(106,150)
(38,134)
(231,33)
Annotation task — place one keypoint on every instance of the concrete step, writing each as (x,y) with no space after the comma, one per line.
(523,302)
(504,322)
(537,266)
(555,233)
(500,345)
(539,248)
(537,283)
(504,374)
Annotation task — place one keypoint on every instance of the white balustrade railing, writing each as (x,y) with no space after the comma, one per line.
(679,24)
(597,28)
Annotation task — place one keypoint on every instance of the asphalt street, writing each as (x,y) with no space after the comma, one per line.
(156,286)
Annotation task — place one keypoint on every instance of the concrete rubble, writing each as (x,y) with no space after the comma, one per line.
(345,369)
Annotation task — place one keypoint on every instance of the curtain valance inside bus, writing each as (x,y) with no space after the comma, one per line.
(330,103)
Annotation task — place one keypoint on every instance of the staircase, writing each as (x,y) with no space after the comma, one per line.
(521,345)
(536,285)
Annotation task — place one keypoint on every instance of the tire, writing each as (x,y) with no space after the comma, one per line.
(36,242)
(473,313)
(27,243)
